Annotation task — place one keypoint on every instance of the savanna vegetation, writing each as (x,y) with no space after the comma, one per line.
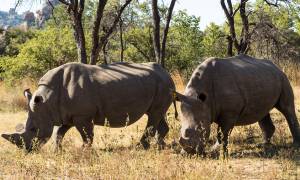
(131,31)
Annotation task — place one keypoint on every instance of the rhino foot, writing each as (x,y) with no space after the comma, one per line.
(296,144)
(265,145)
(143,145)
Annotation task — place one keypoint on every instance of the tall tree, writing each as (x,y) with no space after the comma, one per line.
(243,45)
(160,48)
(99,39)
(99,42)
(75,9)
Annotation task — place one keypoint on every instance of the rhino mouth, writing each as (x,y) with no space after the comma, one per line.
(191,146)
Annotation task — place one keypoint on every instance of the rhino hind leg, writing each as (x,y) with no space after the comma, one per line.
(293,123)
(267,127)
(60,135)
(286,106)
(150,130)
(85,126)
(162,131)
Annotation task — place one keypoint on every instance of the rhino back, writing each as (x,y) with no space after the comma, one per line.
(246,88)
(240,88)
(119,92)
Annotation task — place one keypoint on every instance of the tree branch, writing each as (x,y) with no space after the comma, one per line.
(104,38)
(271,3)
(64,2)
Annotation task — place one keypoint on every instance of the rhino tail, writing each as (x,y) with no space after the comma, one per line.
(175,108)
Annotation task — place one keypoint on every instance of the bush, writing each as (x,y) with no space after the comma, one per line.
(50,48)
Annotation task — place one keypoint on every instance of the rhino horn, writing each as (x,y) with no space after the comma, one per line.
(14,138)
(7,136)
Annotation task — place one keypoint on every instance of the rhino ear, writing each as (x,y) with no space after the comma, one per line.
(27,94)
(20,127)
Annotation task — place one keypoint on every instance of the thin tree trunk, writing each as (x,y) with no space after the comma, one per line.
(75,10)
(80,42)
(229,46)
(121,40)
(245,32)
(156,30)
(105,54)
(165,34)
(95,33)
(104,38)
(230,18)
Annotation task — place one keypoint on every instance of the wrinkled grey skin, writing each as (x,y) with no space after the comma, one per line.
(86,95)
(234,92)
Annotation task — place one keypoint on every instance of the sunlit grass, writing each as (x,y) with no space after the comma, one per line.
(114,156)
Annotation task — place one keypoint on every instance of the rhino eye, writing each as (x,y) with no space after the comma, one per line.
(202,97)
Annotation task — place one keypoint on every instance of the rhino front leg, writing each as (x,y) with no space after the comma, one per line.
(60,135)
(226,128)
(216,146)
(267,127)
(85,126)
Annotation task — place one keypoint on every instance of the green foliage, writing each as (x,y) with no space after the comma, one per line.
(214,41)
(184,48)
(31,53)
(50,48)
(12,39)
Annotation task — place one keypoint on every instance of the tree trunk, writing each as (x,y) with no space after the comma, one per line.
(121,40)
(101,41)
(79,38)
(95,33)
(245,32)
(229,46)
(165,34)
(105,54)
(156,30)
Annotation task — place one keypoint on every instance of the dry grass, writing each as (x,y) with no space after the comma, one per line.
(12,98)
(114,156)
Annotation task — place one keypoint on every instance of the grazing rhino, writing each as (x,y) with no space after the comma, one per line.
(83,95)
(232,92)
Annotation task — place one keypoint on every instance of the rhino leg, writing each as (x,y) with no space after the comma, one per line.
(162,131)
(267,127)
(151,127)
(293,123)
(60,135)
(287,107)
(226,127)
(85,126)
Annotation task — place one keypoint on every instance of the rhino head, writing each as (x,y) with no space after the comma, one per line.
(195,122)
(38,128)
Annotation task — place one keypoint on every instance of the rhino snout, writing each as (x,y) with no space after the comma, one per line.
(191,142)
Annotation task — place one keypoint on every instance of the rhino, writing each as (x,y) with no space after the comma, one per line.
(235,91)
(83,95)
